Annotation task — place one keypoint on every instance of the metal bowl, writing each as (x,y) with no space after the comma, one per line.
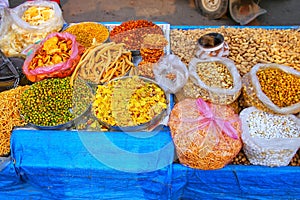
(154,122)
(63,126)
(65,29)
(70,123)
(211,41)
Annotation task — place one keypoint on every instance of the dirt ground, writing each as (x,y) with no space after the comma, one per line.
(175,12)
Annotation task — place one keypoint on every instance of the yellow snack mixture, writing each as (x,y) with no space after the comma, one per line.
(128,102)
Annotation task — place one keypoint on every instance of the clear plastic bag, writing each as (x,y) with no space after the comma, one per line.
(61,69)
(4,161)
(269,149)
(21,34)
(254,96)
(197,88)
(170,73)
(4,21)
(206,135)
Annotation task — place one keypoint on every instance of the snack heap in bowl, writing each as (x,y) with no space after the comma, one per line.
(53,103)
(129,101)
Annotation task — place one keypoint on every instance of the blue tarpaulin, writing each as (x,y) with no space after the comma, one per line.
(64,165)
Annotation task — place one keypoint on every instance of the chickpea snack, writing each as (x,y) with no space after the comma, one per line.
(269,139)
(272,88)
(215,79)
(130,103)
(206,136)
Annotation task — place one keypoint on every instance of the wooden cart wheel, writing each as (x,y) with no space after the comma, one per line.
(213,9)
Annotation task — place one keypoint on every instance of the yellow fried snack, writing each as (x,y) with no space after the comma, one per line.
(128,102)
(36,15)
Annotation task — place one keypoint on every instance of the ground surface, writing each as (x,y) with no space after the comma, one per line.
(175,12)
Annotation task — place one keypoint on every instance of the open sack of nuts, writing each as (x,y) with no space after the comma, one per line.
(272,88)
(208,136)
(214,79)
(269,139)
(171,73)
(29,23)
(56,56)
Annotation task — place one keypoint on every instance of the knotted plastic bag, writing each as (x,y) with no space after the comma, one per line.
(206,135)
(171,73)
(59,70)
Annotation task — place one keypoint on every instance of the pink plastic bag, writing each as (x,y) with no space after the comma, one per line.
(206,136)
(60,70)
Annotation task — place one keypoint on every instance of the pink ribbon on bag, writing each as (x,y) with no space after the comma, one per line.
(209,117)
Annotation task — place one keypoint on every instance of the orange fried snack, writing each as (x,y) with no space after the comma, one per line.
(54,51)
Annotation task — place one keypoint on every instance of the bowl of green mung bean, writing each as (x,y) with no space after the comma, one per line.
(53,104)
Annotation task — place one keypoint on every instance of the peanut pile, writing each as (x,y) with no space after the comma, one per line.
(247,46)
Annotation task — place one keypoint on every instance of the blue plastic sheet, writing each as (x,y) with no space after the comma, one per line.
(8,175)
(62,165)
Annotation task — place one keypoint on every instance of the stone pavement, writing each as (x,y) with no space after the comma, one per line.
(175,12)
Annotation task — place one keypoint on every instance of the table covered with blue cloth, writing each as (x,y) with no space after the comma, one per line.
(115,165)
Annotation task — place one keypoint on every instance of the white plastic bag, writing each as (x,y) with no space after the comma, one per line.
(278,146)
(170,73)
(254,96)
(217,95)
(21,34)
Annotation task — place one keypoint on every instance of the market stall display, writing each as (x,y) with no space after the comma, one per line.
(88,89)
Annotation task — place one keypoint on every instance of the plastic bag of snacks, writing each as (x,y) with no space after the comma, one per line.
(215,79)
(273,88)
(207,136)
(56,56)
(269,139)
(5,21)
(29,23)
(171,73)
